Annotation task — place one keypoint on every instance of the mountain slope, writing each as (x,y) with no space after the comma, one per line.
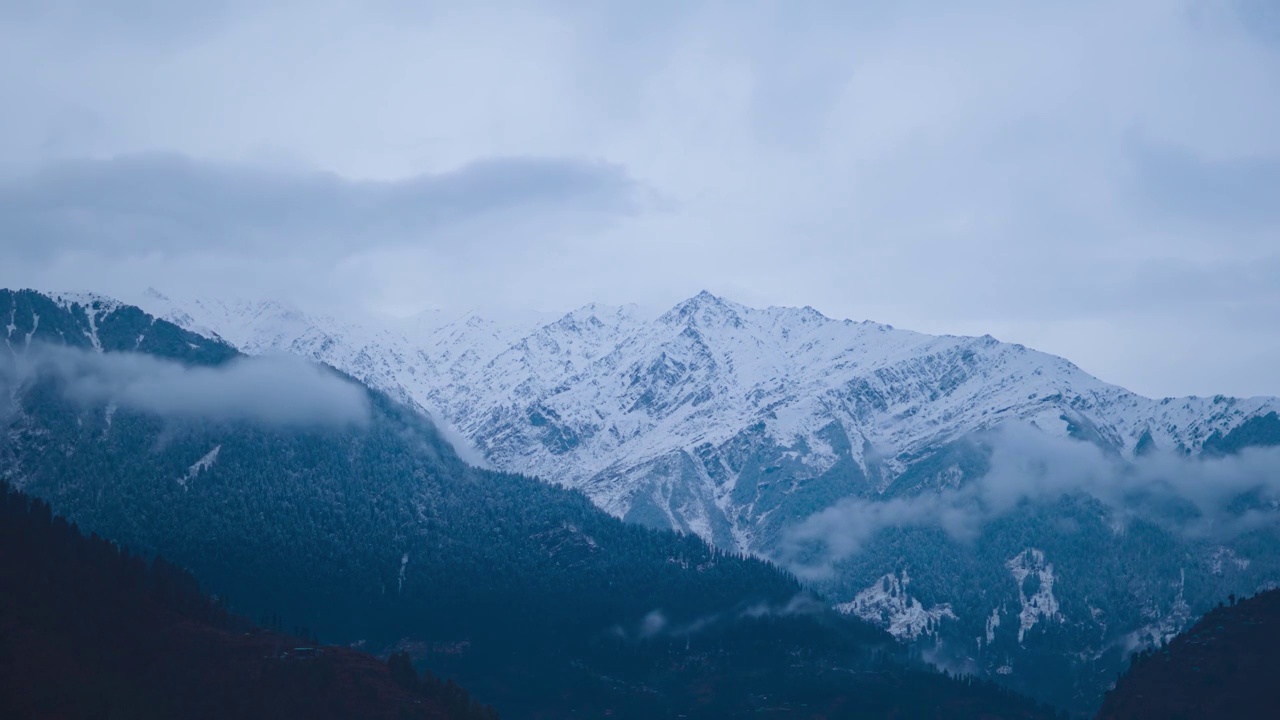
(375,532)
(90,632)
(674,421)
(1222,667)
(959,491)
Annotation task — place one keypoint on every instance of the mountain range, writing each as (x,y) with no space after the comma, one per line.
(998,508)
(294,492)
(723,420)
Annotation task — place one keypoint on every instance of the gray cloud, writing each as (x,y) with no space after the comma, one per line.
(277,390)
(173,204)
(1028,466)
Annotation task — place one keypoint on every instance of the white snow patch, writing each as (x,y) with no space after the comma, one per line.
(94,306)
(1223,555)
(404,563)
(993,622)
(887,603)
(92,332)
(200,466)
(1040,605)
(35,323)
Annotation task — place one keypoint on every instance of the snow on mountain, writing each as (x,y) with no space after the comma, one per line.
(93,306)
(204,463)
(716,418)
(993,622)
(1162,626)
(886,602)
(739,423)
(403,357)
(1223,555)
(1036,596)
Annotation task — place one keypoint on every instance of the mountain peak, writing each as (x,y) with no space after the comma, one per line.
(706,310)
(599,314)
(704,298)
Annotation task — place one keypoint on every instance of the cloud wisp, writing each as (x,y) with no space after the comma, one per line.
(274,390)
(1197,497)
(656,623)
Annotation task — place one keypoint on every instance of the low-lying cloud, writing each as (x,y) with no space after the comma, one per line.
(1200,497)
(655,623)
(462,445)
(274,389)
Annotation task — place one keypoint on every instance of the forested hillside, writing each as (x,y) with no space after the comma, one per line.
(87,631)
(373,532)
(1224,666)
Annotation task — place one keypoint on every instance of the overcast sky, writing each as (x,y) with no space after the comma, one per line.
(1100,180)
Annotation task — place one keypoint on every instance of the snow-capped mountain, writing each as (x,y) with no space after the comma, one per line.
(741,424)
(716,418)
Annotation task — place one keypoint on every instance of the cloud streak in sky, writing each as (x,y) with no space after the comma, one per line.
(172,204)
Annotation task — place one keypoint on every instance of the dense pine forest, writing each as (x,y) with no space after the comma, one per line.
(1224,666)
(90,631)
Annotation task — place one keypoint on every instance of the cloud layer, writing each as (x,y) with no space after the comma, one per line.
(276,390)
(1199,497)
(170,204)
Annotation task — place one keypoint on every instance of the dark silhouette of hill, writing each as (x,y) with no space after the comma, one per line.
(1225,666)
(88,631)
